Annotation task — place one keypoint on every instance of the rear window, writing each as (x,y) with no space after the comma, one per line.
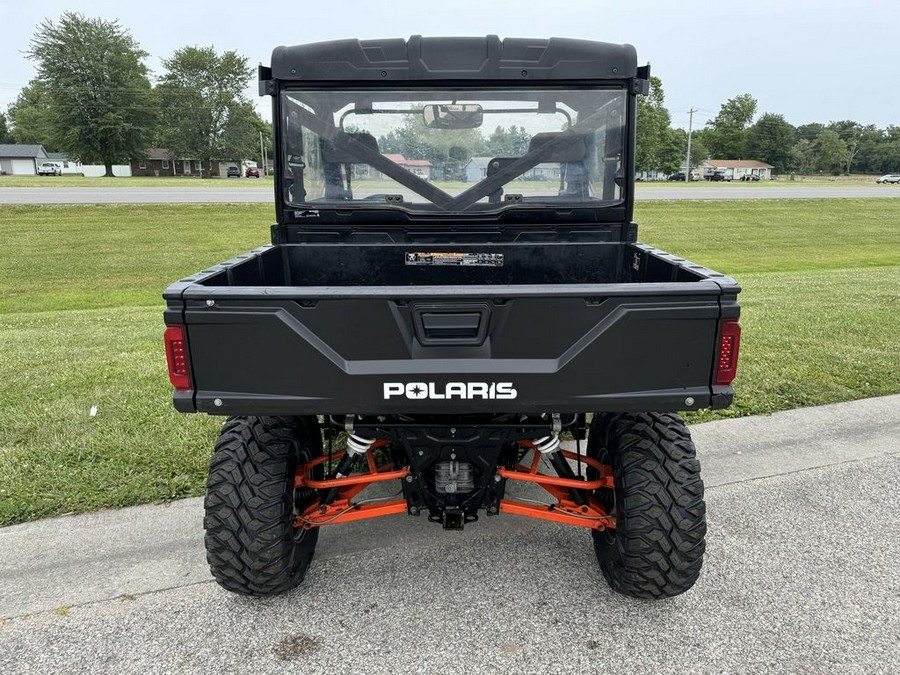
(453,151)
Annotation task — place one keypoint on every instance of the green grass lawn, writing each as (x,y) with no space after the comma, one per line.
(81,326)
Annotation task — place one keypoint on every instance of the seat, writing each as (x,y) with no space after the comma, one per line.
(574,160)
(337,156)
(571,158)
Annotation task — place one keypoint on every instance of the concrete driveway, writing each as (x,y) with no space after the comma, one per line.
(801,576)
(263,194)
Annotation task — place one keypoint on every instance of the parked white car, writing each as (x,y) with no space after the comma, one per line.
(49,169)
(889,178)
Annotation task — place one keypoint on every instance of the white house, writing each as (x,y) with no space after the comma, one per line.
(735,168)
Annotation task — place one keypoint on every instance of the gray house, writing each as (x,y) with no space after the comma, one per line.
(476,169)
(21,160)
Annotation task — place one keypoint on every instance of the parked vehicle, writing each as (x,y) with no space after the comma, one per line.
(233,172)
(49,169)
(445,336)
(717,176)
(889,178)
(680,177)
(252,172)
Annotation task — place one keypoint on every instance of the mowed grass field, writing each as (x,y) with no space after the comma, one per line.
(81,326)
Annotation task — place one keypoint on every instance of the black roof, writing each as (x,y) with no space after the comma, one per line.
(454,58)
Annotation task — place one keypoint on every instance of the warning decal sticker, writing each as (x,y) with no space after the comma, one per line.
(445,258)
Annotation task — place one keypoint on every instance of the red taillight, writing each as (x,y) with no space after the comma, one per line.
(176,355)
(727,359)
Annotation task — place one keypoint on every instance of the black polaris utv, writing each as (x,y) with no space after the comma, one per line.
(454,287)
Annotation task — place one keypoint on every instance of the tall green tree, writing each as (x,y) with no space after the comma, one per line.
(30,116)
(5,136)
(831,152)
(861,141)
(772,140)
(653,137)
(673,151)
(809,132)
(699,149)
(205,112)
(101,108)
(508,142)
(887,157)
(850,132)
(802,159)
(728,130)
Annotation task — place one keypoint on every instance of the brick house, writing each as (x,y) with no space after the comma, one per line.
(158,162)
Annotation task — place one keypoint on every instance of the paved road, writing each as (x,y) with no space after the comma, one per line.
(175,195)
(801,576)
(127,195)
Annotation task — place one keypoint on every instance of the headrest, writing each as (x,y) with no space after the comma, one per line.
(572,150)
(338,151)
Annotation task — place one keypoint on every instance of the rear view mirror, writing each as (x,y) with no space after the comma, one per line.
(453,115)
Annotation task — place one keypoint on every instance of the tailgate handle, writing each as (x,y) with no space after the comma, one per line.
(441,325)
(451,325)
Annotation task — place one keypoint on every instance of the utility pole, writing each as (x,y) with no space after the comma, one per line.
(262,153)
(687,171)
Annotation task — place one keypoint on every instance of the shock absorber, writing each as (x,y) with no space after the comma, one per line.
(356,445)
(549,447)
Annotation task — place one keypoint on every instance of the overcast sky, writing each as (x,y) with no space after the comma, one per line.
(811,60)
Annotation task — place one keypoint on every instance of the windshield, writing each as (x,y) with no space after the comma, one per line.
(453,150)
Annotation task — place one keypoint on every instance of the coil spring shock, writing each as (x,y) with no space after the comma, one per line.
(356,445)
(548,444)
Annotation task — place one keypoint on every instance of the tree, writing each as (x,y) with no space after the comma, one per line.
(861,142)
(4,131)
(886,157)
(449,149)
(849,132)
(241,132)
(830,152)
(653,137)
(699,147)
(100,105)
(206,114)
(772,140)
(29,116)
(673,150)
(512,142)
(809,132)
(728,130)
(699,151)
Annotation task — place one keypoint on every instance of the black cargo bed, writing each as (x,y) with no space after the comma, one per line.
(331,329)
(324,265)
